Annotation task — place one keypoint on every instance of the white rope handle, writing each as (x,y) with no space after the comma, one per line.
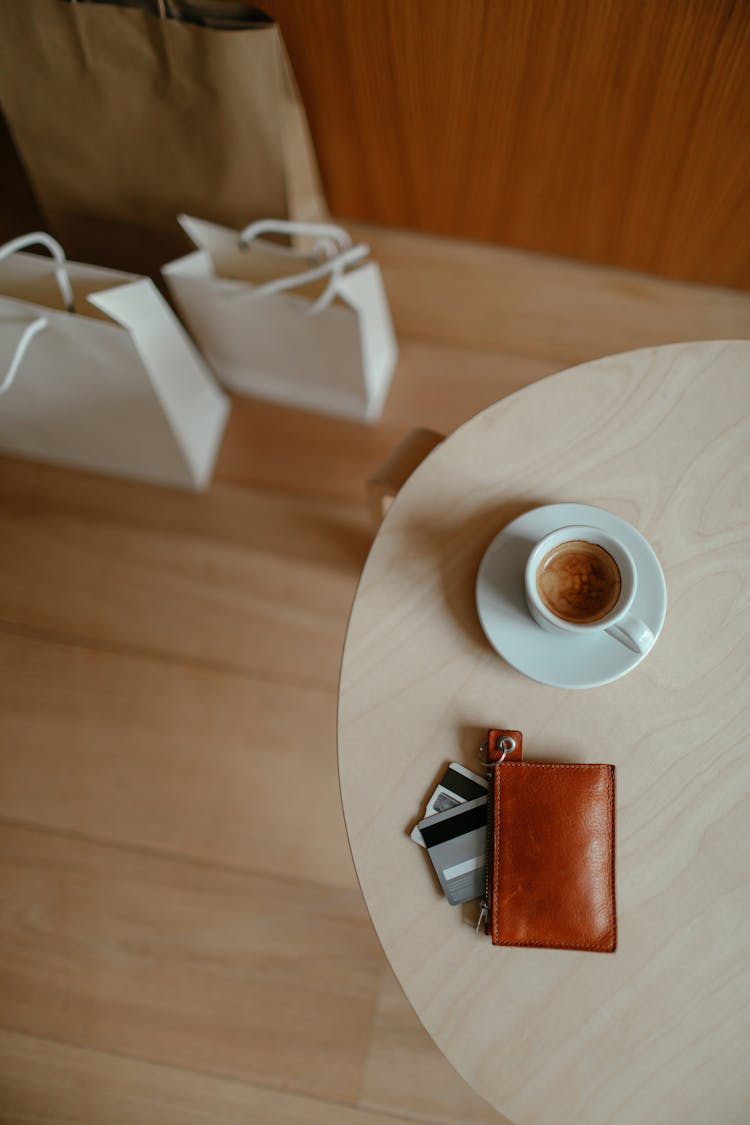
(340,237)
(331,266)
(28,334)
(38,237)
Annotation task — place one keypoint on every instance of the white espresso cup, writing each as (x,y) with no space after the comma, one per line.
(576,591)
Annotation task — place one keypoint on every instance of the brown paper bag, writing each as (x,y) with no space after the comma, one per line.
(126,117)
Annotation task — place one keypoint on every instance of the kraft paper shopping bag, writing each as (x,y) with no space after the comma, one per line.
(97,372)
(124,117)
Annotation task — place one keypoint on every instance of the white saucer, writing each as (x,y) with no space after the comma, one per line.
(558,660)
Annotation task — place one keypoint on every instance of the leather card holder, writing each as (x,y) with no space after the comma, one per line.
(551,855)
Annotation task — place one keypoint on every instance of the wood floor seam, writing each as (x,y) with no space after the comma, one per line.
(180,857)
(160,656)
(176,1068)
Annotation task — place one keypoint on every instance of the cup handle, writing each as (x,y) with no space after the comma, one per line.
(633,633)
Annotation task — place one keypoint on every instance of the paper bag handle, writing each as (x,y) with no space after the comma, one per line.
(38,237)
(333,266)
(324,232)
(28,334)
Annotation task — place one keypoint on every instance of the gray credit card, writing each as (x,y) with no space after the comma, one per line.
(457,845)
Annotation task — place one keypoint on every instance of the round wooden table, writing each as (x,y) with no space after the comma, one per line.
(658,1031)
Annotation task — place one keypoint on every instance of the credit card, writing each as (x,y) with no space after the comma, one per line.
(456,842)
(456,786)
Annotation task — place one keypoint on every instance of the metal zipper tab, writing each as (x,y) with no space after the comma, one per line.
(507,745)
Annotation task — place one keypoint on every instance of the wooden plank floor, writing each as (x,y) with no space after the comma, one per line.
(182,938)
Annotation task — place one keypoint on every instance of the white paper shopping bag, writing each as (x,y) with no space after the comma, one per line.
(97,372)
(306,330)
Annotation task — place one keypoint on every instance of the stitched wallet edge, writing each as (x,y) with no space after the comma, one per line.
(608,942)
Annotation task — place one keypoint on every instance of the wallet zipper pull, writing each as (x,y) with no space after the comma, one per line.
(507,745)
(483,911)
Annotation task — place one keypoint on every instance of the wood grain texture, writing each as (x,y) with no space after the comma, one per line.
(404,1070)
(180,759)
(192,965)
(448,292)
(655,1032)
(250,582)
(59,1084)
(168,671)
(615,132)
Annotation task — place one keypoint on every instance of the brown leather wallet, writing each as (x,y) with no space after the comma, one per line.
(551,851)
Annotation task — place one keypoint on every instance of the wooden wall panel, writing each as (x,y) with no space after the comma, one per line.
(609,130)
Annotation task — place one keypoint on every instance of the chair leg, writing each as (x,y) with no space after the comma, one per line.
(396,470)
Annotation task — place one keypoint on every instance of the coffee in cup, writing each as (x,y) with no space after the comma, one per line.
(579,581)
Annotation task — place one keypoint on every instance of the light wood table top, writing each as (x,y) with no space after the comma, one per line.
(656,1032)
